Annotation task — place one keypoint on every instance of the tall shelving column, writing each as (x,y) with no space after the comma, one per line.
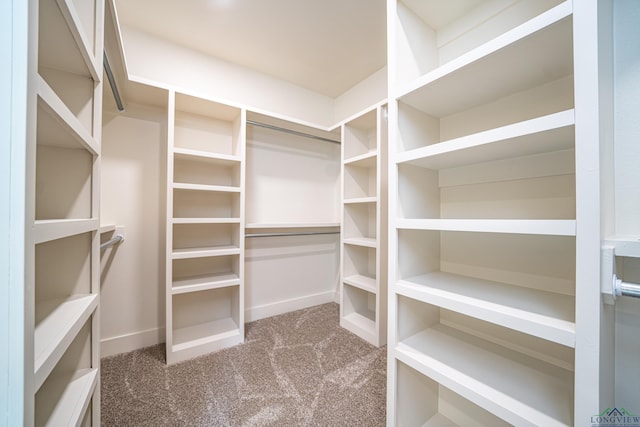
(62,279)
(484,295)
(363,308)
(205,227)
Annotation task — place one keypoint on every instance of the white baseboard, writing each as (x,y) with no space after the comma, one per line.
(136,340)
(129,342)
(280,307)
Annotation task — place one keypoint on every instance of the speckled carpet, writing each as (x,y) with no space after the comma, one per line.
(296,369)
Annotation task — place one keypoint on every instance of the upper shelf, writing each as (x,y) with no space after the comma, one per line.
(560,227)
(534,53)
(57,125)
(548,133)
(66,38)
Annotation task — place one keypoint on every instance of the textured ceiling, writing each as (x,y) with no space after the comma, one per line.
(326,46)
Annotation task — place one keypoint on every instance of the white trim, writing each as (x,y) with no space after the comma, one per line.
(285,306)
(13,115)
(132,341)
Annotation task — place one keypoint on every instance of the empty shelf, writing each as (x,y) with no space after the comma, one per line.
(205,252)
(519,389)
(203,187)
(550,227)
(361,241)
(544,314)
(365,283)
(74,401)
(204,282)
(47,230)
(204,333)
(61,321)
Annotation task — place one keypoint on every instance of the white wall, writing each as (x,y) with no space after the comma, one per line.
(166,64)
(368,92)
(133,196)
(627,194)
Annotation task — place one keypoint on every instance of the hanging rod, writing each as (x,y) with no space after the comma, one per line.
(625,288)
(116,239)
(293,132)
(300,233)
(112,81)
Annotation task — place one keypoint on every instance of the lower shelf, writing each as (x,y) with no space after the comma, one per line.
(57,323)
(518,388)
(360,325)
(72,401)
(204,282)
(421,401)
(204,333)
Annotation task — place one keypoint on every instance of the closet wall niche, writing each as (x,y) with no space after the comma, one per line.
(293,219)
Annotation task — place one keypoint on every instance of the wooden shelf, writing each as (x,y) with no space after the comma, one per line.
(531,54)
(63,43)
(541,135)
(204,282)
(202,187)
(206,220)
(206,156)
(204,333)
(512,226)
(256,225)
(360,325)
(58,126)
(363,282)
(47,230)
(356,200)
(361,241)
(625,245)
(74,401)
(61,321)
(542,314)
(205,252)
(367,159)
(519,389)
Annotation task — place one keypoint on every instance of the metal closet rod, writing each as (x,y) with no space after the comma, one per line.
(298,233)
(293,132)
(116,239)
(112,81)
(625,288)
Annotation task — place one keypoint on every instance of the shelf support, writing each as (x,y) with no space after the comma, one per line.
(612,286)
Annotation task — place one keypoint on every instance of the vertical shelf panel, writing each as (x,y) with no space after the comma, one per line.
(363,241)
(205,227)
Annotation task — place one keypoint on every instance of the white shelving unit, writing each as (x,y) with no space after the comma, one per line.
(62,281)
(486,197)
(205,232)
(363,289)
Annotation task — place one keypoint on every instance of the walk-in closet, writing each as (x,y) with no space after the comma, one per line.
(323,212)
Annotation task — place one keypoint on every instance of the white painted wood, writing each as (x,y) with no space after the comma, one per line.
(74,401)
(15,366)
(53,229)
(520,390)
(535,136)
(285,225)
(205,232)
(491,163)
(61,322)
(542,314)
(53,106)
(539,227)
(62,273)
(363,251)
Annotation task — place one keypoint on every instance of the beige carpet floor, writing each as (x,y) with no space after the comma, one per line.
(296,369)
